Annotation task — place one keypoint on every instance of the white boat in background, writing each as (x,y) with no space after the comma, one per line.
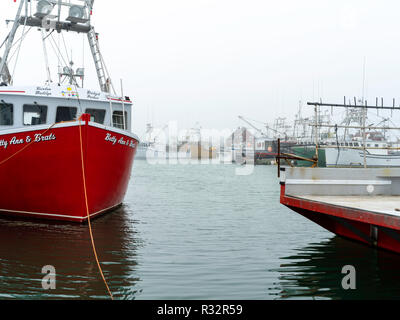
(148,151)
(141,151)
(351,155)
(362,145)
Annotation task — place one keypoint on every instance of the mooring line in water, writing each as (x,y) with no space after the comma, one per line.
(88,214)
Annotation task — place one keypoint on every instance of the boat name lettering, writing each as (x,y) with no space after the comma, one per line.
(43,91)
(14,141)
(113,139)
(93,94)
(4,144)
(41,138)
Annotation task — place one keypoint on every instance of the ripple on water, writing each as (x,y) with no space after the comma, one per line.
(192,232)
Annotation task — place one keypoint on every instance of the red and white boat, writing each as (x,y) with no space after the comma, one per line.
(57,138)
(359,204)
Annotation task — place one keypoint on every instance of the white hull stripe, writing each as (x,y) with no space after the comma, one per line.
(58,215)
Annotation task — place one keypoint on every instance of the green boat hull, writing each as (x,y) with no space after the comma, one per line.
(309,152)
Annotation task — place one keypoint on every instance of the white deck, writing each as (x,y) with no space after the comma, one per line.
(374,204)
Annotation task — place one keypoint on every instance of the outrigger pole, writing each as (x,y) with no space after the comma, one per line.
(358,106)
(5,77)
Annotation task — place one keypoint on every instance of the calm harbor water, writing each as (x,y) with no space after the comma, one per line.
(193,232)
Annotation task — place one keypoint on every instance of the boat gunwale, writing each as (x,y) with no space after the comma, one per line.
(349,213)
(66,125)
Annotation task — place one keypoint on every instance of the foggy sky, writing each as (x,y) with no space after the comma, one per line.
(209,61)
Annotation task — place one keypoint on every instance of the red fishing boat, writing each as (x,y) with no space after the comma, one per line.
(66,152)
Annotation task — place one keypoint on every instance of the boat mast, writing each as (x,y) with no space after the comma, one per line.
(5,75)
(364,133)
(79,20)
(361,106)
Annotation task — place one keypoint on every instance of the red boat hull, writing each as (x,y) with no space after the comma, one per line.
(373,229)
(45,180)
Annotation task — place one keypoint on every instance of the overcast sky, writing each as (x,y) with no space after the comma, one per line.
(209,61)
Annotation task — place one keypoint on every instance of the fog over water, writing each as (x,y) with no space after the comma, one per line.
(209,61)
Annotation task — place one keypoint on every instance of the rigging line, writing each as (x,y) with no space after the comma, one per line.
(46,58)
(83,59)
(58,60)
(59,54)
(88,213)
(77,96)
(19,48)
(48,34)
(5,40)
(62,57)
(17,42)
(58,51)
(65,47)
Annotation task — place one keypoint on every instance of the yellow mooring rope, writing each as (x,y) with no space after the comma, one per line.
(88,214)
(85,191)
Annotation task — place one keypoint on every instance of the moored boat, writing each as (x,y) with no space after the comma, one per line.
(359,204)
(66,152)
(350,155)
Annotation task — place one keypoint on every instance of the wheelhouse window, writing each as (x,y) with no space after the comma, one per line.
(118,120)
(97,115)
(66,114)
(6,114)
(34,114)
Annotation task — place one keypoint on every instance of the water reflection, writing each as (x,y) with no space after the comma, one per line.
(315,272)
(28,246)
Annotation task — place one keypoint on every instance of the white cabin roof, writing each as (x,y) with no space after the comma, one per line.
(63,91)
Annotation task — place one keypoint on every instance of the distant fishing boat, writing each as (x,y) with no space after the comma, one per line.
(349,154)
(60,141)
(141,152)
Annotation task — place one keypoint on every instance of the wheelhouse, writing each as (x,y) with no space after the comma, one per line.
(25,108)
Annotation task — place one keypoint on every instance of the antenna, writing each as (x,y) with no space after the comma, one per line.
(364,76)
